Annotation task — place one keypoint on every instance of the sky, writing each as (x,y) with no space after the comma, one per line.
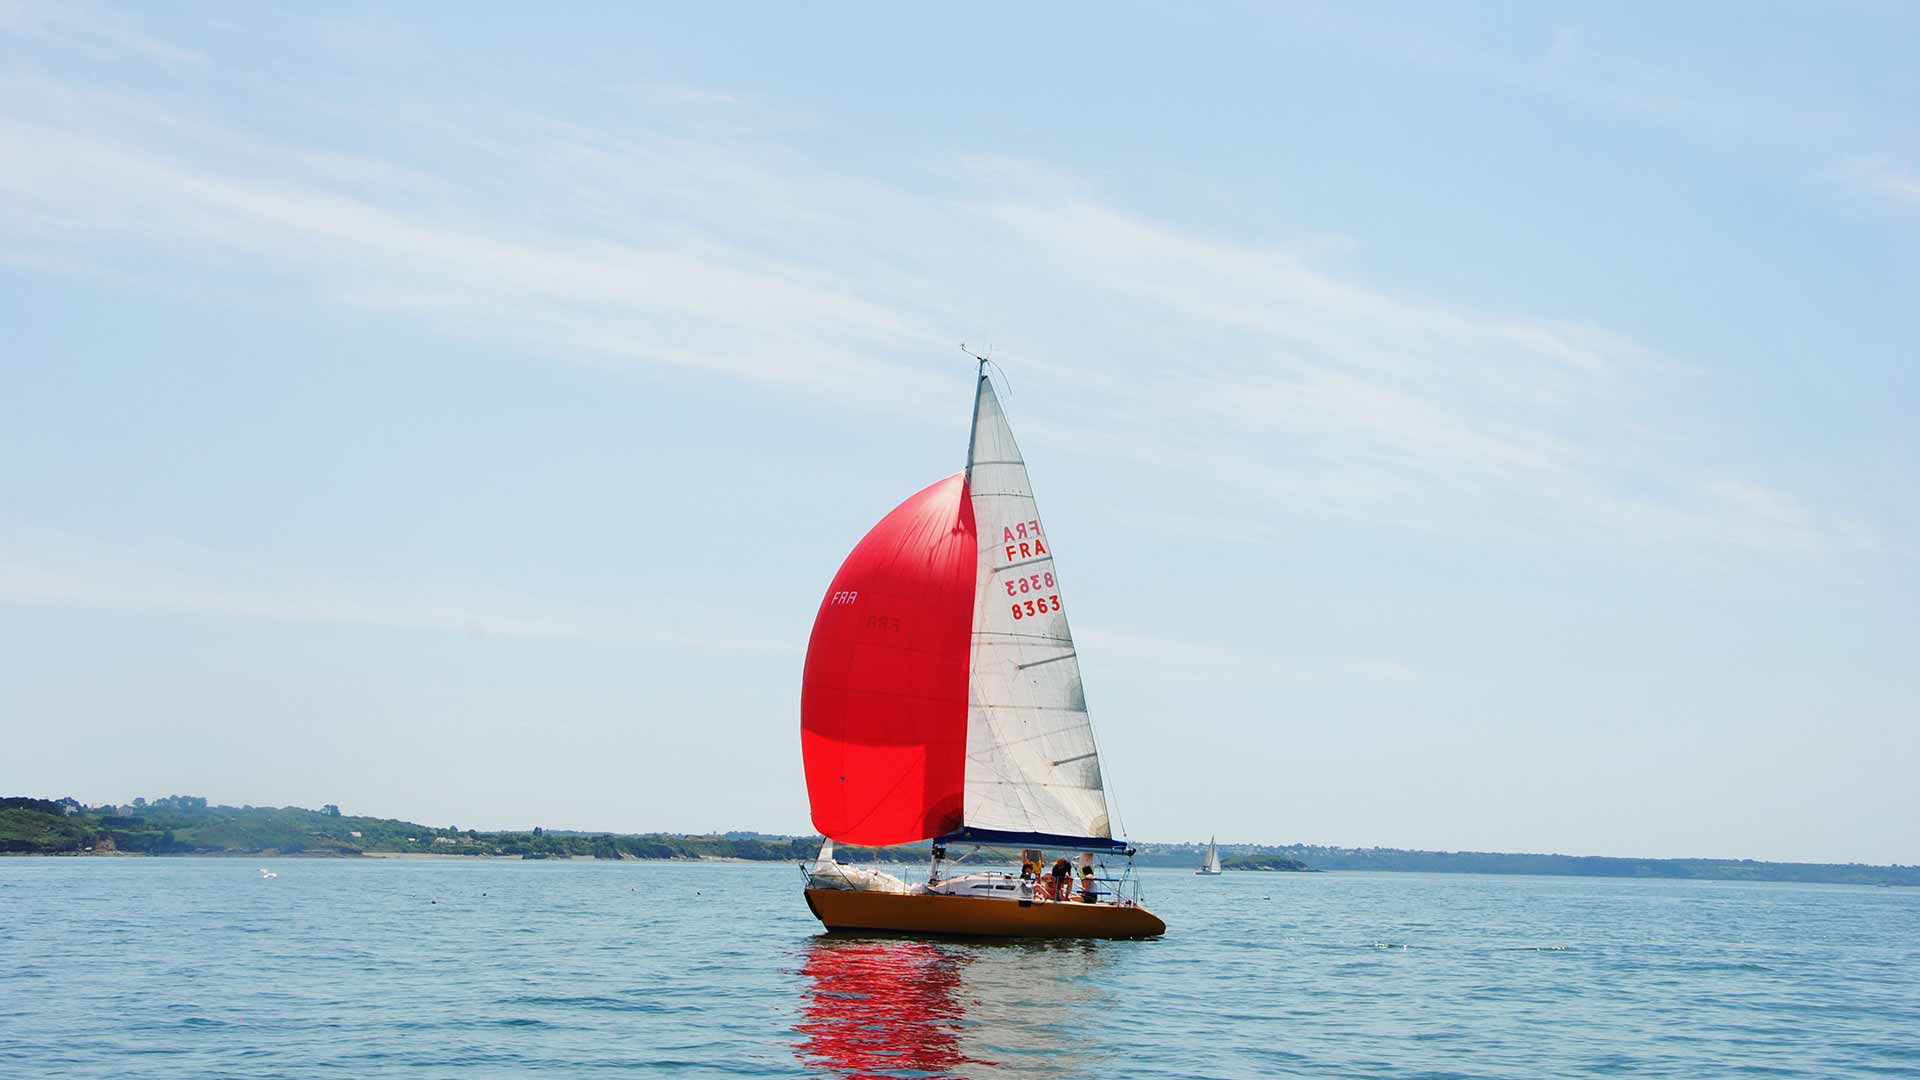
(1483,428)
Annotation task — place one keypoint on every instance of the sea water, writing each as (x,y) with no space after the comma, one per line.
(133,967)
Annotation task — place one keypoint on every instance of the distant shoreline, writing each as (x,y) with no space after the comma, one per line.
(430,856)
(404,856)
(189,825)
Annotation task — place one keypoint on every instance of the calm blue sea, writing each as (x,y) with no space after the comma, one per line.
(200,968)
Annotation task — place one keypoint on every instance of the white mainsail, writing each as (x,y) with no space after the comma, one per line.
(1212,865)
(1032,766)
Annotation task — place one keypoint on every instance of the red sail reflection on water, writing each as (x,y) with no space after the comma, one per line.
(883,1008)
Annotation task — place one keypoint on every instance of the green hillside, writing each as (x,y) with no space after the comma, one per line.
(1266,862)
(187,825)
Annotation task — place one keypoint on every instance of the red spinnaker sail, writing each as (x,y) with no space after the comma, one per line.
(883,701)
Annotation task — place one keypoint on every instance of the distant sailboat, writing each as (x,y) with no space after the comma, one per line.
(942,701)
(1211,864)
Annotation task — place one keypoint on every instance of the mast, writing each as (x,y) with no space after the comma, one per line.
(973,429)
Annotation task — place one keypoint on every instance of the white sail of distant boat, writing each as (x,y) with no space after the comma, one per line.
(1212,863)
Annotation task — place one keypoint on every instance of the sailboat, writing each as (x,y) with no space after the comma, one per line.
(1211,864)
(942,700)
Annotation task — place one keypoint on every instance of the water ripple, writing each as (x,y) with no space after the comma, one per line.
(148,968)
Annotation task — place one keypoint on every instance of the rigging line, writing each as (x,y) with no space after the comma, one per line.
(1063,710)
(1023,562)
(973,421)
(1015,461)
(1027,740)
(1109,792)
(1003,371)
(979,639)
(1037,736)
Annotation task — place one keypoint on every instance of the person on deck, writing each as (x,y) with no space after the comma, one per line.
(1062,880)
(1089,889)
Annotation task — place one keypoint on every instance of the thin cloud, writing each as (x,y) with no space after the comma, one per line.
(91,31)
(686,304)
(1373,406)
(1882,178)
(1574,66)
(1307,387)
(78,573)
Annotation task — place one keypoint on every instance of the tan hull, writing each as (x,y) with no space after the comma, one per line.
(977,916)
